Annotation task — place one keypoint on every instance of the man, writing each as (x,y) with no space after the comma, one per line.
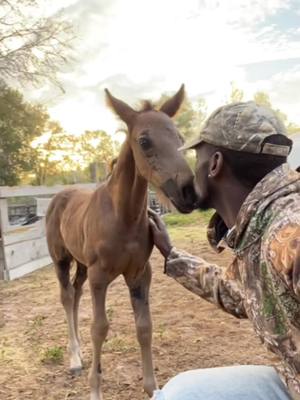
(242,173)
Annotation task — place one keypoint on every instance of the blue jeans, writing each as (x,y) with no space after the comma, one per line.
(248,382)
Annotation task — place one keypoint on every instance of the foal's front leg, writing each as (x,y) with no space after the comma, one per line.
(139,295)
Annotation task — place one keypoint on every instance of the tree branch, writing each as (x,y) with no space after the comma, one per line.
(32,50)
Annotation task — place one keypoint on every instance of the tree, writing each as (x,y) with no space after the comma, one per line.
(263,99)
(293,128)
(20,123)
(185,120)
(53,155)
(31,48)
(201,113)
(64,158)
(236,94)
(98,149)
(190,116)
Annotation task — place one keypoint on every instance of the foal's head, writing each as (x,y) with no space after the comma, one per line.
(154,140)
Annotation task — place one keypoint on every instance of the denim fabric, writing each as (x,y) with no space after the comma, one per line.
(248,382)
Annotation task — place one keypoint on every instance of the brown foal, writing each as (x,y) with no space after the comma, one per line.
(107,231)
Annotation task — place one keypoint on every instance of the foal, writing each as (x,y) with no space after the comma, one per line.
(107,231)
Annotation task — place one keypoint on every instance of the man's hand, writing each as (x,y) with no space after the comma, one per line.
(160,234)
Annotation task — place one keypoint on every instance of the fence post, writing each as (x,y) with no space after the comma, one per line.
(4,226)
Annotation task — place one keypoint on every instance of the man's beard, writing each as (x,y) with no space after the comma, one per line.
(204,204)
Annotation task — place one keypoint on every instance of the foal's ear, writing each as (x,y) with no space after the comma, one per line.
(171,106)
(123,110)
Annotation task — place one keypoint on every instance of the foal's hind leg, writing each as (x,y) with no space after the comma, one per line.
(67,293)
(79,279)
(98,284)
(139,295)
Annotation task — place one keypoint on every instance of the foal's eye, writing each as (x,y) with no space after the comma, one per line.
(145,143)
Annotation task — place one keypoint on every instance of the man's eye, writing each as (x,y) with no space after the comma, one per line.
(145,143)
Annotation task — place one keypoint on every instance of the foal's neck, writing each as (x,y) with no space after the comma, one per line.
(128,188)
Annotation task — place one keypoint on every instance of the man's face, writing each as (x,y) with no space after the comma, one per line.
(202,182)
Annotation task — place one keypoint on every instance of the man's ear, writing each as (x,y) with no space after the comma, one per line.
(171,106)
(123,110)
(216,163)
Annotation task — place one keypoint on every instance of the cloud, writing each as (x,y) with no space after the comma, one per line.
(140,49)
(243,12)
(284,92)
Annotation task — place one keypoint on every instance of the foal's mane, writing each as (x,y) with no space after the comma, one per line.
(146,105)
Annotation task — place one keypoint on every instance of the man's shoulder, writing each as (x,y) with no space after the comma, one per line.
(283,212)
(282,237)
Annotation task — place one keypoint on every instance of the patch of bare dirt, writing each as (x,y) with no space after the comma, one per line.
(189,333)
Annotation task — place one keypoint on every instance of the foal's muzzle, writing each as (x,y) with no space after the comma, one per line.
(184,197)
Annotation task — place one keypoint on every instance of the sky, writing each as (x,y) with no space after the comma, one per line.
(140,49)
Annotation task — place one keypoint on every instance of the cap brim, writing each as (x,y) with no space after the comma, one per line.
(191,145)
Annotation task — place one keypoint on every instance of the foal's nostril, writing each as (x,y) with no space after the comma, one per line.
(189,194)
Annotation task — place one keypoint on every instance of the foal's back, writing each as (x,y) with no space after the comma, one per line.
(64,222)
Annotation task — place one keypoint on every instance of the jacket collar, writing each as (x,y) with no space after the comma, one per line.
(280,182)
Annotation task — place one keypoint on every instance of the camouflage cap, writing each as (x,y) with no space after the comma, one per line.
(242,127)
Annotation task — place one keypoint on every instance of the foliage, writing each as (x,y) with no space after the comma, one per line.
(236,94)
(36,150)
(20,123)
(64,158)
(190,116)
(262,98)
(293,128)
(41,150)
(31,48)
(185,118)
(98,149)
(48,153)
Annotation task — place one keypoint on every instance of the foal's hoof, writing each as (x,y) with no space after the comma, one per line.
(76,371)
(149,387)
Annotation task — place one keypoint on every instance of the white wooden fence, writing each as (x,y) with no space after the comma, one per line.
(23,249)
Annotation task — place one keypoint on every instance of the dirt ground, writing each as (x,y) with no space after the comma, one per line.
(188,333)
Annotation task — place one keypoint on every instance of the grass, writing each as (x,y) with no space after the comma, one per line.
(109,313)
(161,331)
(6,351)
(38,321)
(195,218)
(183,236)
(53,355)
(186,229)
(35,328)
(118,344)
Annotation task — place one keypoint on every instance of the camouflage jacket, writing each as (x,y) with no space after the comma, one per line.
(263,282)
